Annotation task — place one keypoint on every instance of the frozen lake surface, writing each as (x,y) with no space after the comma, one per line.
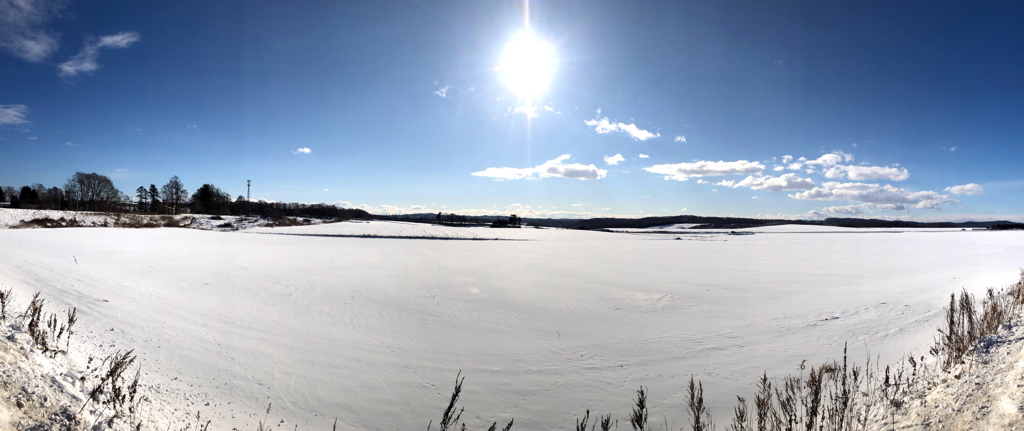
(373,330)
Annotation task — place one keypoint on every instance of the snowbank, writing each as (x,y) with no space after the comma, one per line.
(985,394)
(10,217)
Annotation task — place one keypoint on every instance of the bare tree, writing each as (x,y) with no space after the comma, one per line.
(51,198)
(174,194)
(91,191)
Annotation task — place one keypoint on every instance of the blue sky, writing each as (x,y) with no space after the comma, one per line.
(910,110)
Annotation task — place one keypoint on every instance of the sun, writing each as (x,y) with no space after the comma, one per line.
(527,65)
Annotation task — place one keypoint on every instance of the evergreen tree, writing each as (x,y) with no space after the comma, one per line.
(141,193)
(154,198)
(28,194)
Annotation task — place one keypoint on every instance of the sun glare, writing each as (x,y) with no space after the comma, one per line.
(527,65)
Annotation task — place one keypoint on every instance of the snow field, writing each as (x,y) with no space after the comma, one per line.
(374,330)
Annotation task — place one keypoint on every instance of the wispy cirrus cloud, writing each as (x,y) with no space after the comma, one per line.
(684,171)
(86,61)
(13,114)
(443,91)
(681,138)
(23,31)
(603,125)
(969,189)
(551,168)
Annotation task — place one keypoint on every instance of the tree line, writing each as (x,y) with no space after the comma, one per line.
(96,192)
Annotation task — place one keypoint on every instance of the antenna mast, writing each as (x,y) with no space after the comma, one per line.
(248,204)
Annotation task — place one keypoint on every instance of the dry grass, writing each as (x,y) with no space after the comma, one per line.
(47,330)
(967,322)
(116,389)
(5,299)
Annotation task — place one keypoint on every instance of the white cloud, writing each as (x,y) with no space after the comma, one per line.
(23,32)
(830,159)
(614,160)
(603,126)
(787,159)
(863,208)
(342,204)
(644,156)
(779,168)
(86,60)
(863,173)
(772,184)
(303,150)
(443,91)
(417,208)
(531,111)
(875,194)
(969,189)
(702,181)
(327,190)
(551,168)
(847,210)
(683,210)
(32,138)
(683,171)
(681,138)
(13,114)
(71,144)
(952,149)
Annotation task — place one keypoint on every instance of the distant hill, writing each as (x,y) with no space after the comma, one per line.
(740,223)
(703,222)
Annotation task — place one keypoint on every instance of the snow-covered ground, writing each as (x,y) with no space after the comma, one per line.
(373,330)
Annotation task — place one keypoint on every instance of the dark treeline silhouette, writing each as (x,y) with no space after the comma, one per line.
(280,209)
(512,221)
(453,219)
(1007,226)
(96,192)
